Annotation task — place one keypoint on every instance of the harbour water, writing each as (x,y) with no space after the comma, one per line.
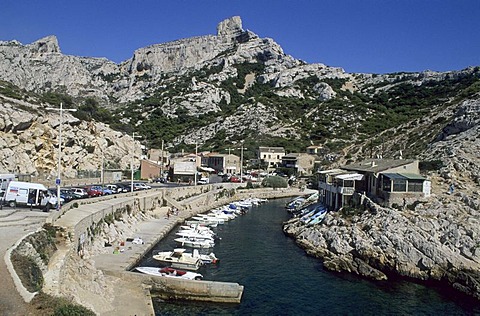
(280,279)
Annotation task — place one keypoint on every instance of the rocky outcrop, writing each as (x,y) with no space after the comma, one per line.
(29,142)
(437,239)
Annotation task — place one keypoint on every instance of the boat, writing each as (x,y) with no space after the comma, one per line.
(196,234)
(206,258)
(317,217)
(170,272)
(178,259)
(194,242)
(202,222)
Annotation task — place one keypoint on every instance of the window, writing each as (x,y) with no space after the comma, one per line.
(399,185)
(415,186)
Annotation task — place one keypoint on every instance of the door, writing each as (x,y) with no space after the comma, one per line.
(22,196)
(32,197)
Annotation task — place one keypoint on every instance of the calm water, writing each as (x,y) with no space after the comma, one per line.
(280,279)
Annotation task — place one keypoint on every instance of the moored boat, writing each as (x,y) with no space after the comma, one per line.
(193,242)
(178,259)
(170,272)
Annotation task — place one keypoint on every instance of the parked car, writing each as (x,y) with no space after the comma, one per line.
(203,181)
(93,191)
(123,187)
(234,179)
(160,180)
(67,195)
(141,186)
(114,188)
(79,193)
(106,191)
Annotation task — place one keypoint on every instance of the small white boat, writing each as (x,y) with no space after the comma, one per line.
(194,242)
(202,222)
(206,259)
(170,272)
(196,235)
(178,259)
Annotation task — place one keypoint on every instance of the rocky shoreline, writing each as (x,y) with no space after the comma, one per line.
(435,240)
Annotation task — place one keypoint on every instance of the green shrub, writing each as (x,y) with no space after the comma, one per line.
(274,182)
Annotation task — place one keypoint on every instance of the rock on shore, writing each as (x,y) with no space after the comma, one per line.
(432,240)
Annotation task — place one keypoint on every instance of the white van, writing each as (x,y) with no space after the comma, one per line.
(5,179)
(203,181)
(29,194)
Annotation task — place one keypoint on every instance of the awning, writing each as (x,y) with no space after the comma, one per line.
(207,169)
(350,176)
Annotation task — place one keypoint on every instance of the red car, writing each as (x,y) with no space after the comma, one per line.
(234,179)
(93,191)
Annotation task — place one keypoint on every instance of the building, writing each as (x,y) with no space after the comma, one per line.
(149,169)
(302,163)
(270,156)
(225,163)
(159,156)
(386,181)
(315,150)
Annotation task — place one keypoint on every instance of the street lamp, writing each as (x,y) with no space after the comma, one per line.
(133,136)
(59,171)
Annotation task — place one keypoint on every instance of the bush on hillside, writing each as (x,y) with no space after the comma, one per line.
(274,182)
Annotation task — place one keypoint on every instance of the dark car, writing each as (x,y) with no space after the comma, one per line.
(67,195)
(124,187)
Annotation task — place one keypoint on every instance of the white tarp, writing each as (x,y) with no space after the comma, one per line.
(350,176)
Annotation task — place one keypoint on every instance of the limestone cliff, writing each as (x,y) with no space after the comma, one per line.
(29,142)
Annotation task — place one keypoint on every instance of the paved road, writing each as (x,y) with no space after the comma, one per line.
(14,224)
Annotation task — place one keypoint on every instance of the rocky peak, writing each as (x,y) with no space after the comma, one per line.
(48,44)
(230,28)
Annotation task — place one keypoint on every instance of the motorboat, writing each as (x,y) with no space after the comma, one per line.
(202,222)
(194,242)
(196,234)
(170,272)
(178,259)
(206,258)
(208,218)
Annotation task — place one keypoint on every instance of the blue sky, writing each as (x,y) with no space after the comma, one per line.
(372,36)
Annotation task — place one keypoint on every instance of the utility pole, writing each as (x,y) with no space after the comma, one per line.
(161,166)
(196,155)
(133,150)
(59,167)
